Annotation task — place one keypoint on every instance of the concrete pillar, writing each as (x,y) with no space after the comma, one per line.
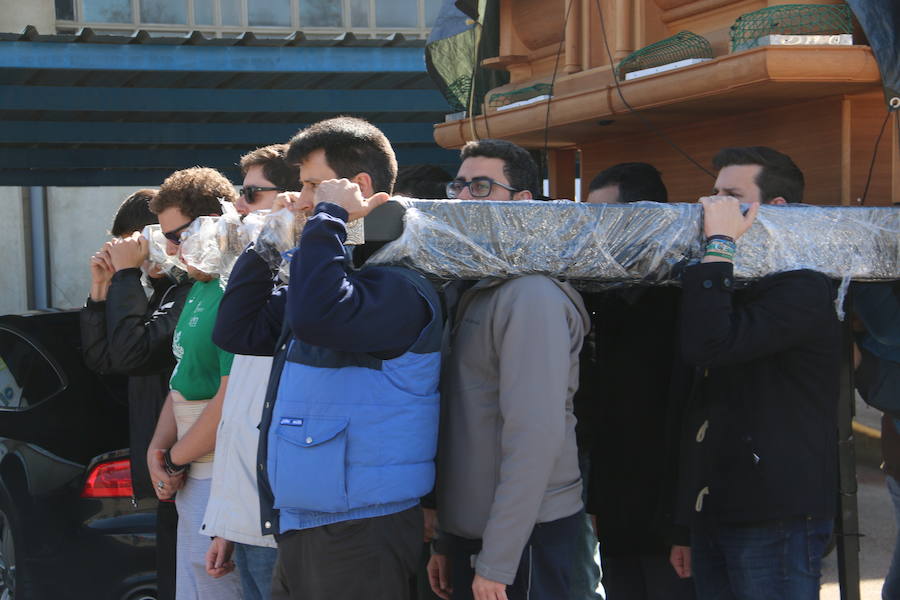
(13,273)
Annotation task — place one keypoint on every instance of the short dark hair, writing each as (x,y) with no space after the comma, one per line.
(779,175)
(195,192)
(518,166)
(134,214)
(275,167)
(637,181)
(351,146)
(422,181)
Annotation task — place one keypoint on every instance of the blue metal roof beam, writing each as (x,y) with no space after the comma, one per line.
(141,57)
(23,97)
(117,158)
(67,132)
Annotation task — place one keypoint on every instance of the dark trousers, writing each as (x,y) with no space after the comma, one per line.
(373,558)
(545,567)
(166,538)
(644,577)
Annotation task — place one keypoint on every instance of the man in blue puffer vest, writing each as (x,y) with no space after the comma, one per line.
(349,428)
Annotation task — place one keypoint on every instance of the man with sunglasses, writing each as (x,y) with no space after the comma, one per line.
(232,514)
(509,488)
(180,457)
(266,174)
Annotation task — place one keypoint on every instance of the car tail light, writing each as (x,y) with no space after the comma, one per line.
(109,480)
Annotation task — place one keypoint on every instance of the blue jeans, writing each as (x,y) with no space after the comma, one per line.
(781,560)
(891,588)
(255,565)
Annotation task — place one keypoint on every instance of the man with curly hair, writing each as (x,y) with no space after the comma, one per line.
(181,452)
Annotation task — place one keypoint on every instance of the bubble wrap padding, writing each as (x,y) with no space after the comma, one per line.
(644,241)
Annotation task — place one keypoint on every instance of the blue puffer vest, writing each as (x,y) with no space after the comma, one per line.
(352,436)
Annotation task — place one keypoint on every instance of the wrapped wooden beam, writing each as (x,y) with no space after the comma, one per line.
(644,242)
(641,242)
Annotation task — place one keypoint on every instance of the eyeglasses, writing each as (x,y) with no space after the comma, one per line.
(249,191)
(479,187)
(174,236)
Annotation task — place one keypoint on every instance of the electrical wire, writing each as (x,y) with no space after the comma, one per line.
(476,38)
(862,200)
(649,126)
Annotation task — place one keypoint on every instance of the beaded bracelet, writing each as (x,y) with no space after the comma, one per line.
(719,236)
(721,246)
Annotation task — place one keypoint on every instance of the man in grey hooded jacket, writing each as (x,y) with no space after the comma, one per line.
(509,488)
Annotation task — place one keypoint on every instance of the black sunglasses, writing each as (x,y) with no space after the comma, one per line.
(249,191)
(174,236)
(479,187)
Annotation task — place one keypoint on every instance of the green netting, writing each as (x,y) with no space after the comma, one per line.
(790,19)
(459,89)
(680,46)
(532,91)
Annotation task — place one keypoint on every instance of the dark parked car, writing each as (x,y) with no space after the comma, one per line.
(69,525)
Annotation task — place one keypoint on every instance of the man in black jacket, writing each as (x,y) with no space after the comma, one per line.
(628,421)
(762,443)
(124,332)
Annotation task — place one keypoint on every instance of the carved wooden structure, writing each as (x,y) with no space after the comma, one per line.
(821,105)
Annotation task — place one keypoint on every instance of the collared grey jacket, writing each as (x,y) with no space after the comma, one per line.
(507,457)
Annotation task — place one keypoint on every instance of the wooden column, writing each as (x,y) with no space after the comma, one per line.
(586,6)
(623,18)
(846,152)
(561,173)
(573,37)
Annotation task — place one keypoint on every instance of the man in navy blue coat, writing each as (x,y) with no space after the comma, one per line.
(349,427)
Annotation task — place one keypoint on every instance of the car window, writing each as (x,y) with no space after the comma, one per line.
(26,376)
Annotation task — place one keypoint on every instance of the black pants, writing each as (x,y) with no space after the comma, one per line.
(372,558)
(166,539)
(545,566)
(643,577)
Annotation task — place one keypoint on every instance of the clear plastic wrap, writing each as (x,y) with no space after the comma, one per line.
(200,245)
(156,243)
(280,232)
(231,238)
(642,242)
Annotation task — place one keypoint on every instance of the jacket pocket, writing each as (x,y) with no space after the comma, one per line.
(310,468)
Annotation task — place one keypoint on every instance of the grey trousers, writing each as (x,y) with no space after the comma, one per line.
(191,580)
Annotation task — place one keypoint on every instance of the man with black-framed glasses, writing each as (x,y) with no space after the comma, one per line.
(494,170)
(509,488)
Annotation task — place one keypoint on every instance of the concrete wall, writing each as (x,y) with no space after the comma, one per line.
(78,223)
(16,14)
(13,280)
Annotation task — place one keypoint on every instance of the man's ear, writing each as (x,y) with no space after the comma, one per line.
(523,195)
(364,181)
(777,201)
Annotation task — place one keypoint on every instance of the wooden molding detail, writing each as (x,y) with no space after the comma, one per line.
(749,80)
(504,62)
